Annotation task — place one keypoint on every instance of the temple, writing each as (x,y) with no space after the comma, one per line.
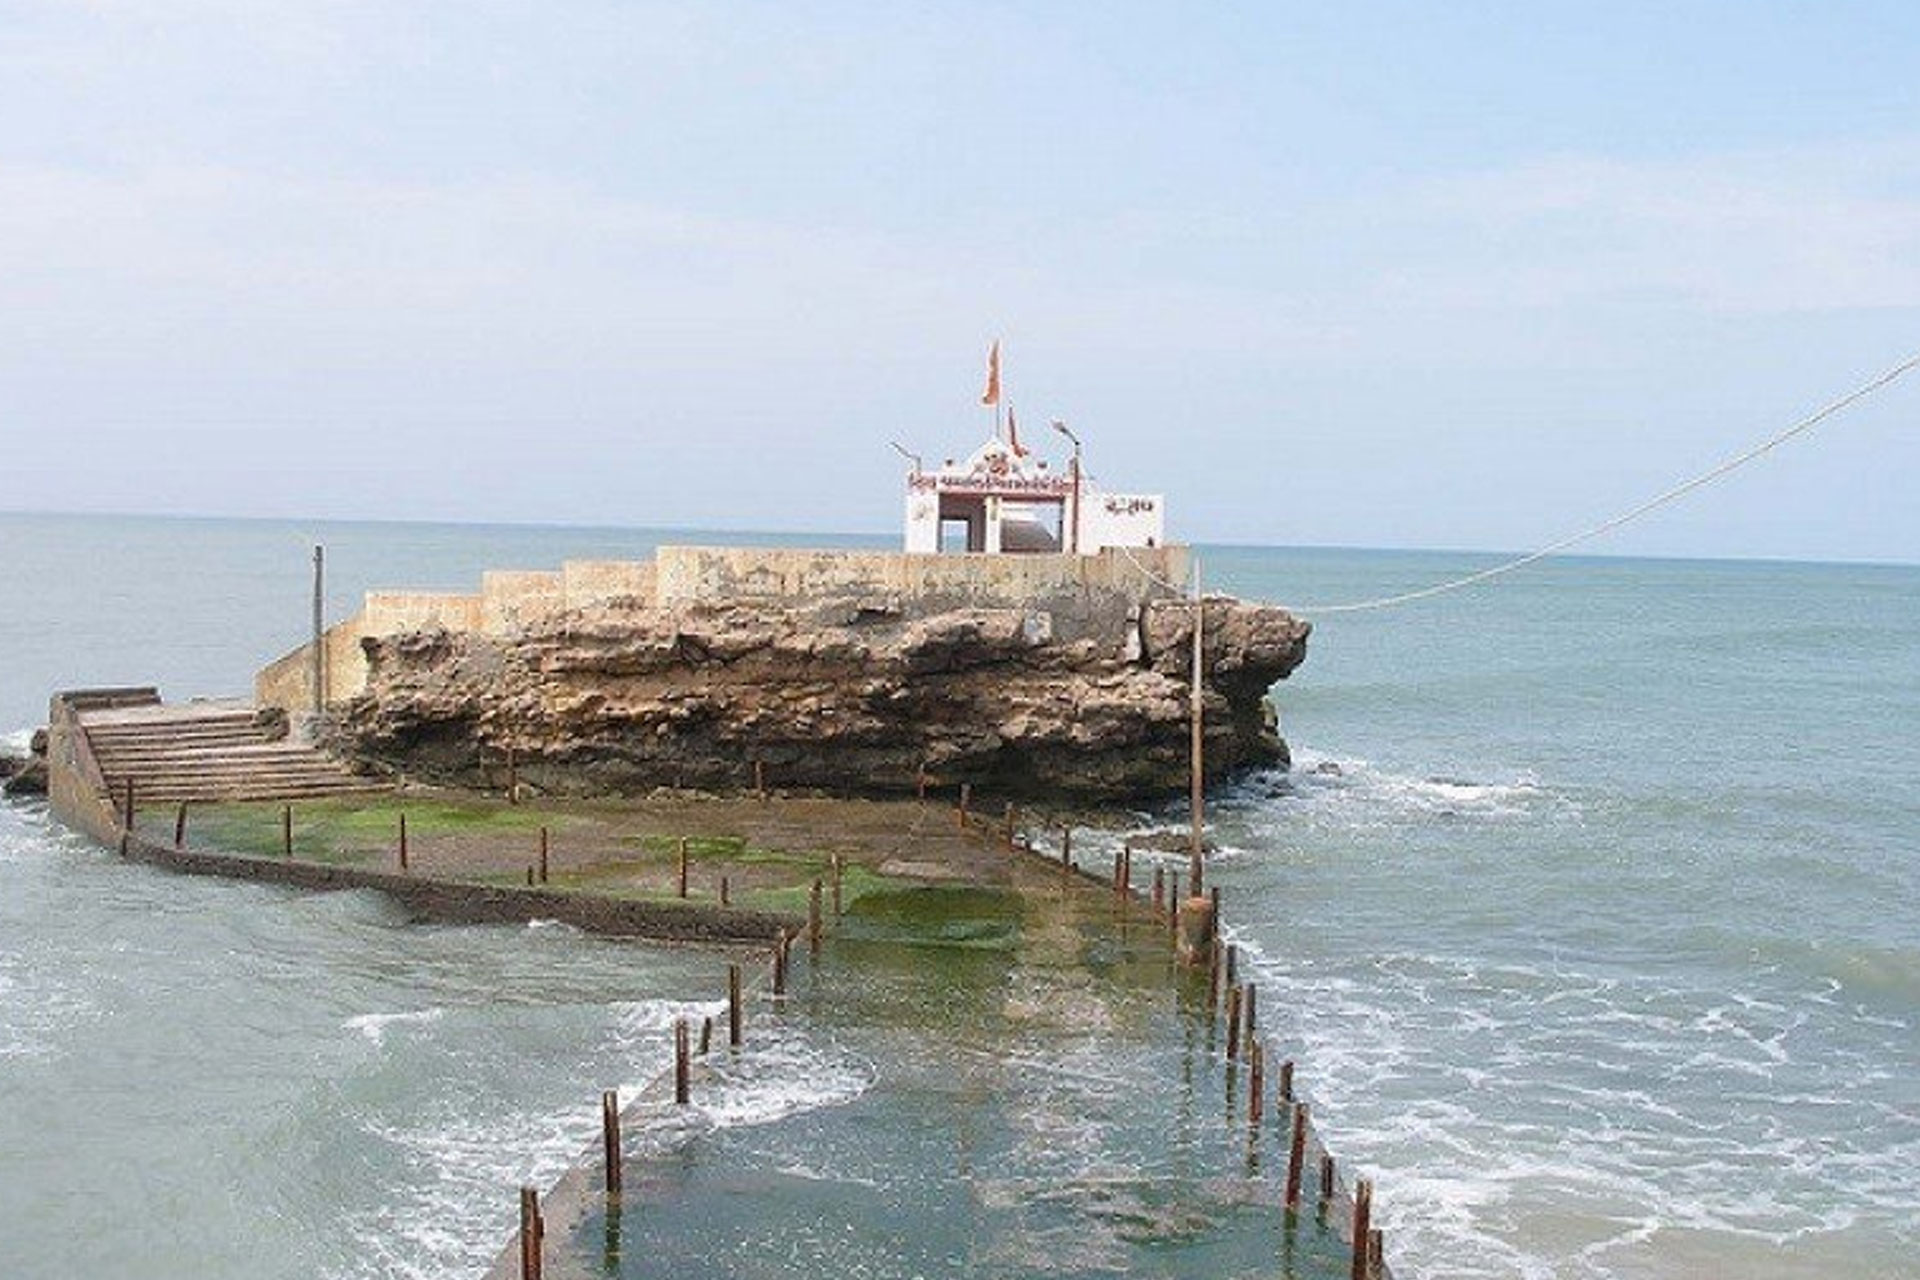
(1005,498)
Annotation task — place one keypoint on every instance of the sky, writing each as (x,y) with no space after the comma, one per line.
(1458,275)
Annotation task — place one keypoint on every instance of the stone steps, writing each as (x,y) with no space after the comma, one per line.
(205,752)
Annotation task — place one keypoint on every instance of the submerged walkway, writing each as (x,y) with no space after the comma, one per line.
(995,1082)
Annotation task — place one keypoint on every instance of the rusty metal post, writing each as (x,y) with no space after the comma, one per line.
(531,1231)
(610,1138)
(1159,890)
(1066,846)
(733,1005)
(726,892)
(1362,1229)
(1326,1176)
(813,919)
(682,1062)
(1195,933)
(1256,1083)
(1233,1023)
(1248,1005)
(1377,1250)
(180,826)
(1286,1081)
(126,816)
(1214,966)
(706,1036)
(286,830)
(966,802)
(780,965)
(403,842)
(681,850)
(1296,1155)
(1233,964)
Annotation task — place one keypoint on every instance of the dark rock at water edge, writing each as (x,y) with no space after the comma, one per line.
(26,775)
(622,698)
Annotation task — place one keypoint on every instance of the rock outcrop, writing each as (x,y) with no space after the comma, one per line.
(26,775)
(843,696)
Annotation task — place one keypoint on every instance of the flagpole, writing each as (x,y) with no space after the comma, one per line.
(999,431)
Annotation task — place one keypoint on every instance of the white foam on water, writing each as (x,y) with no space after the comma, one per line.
(1545,1121)
(454,1215)
(646,1026)
(374,1025)
(466,1154)
(807,1173)
(1353,792)
(456,1211)
(780,1076)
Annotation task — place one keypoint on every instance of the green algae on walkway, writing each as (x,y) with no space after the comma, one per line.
(770,852)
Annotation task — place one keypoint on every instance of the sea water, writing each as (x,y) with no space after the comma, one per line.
(1591,911)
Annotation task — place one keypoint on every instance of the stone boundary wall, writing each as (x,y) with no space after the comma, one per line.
(1084,596)
(461,902)
(917,582)
(76,788)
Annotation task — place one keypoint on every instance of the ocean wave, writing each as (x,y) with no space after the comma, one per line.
(1547,1120)
(1354,790)
(374,1025)
(453,1215)
(780,1077)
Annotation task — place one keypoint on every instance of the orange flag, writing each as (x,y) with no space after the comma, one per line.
(992,394)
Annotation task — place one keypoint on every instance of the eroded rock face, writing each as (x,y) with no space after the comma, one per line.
(844,696)
(26,775)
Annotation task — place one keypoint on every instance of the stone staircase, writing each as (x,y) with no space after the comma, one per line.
(203,751)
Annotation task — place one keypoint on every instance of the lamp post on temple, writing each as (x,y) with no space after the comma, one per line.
(1073,518)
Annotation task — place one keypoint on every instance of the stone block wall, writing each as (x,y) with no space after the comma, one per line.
(1090,596)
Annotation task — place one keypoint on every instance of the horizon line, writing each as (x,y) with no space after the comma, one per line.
(562,526)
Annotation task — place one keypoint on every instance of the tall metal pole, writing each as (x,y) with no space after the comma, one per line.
(319,629)
(1197,782)
(1076,497)
(1073,538)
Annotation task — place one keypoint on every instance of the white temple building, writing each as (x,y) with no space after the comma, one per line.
(1005,498)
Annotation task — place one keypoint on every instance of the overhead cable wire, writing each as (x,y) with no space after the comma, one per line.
(1659,500)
